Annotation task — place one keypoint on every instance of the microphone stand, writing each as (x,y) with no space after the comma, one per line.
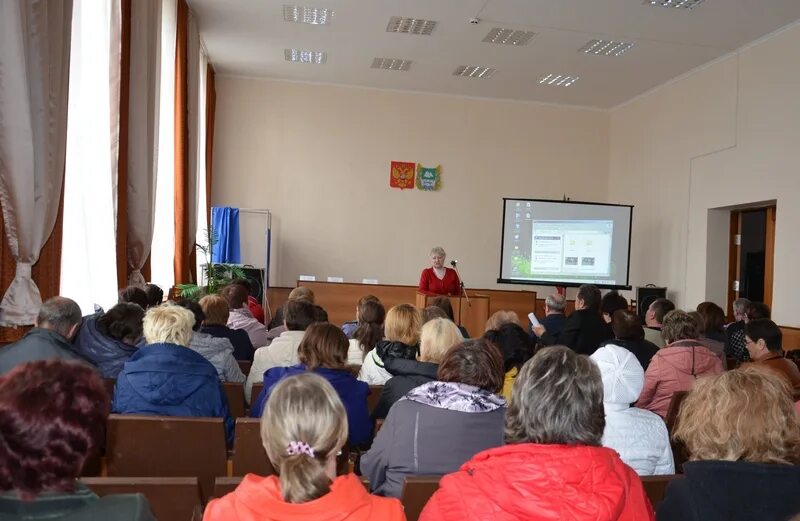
(464,294)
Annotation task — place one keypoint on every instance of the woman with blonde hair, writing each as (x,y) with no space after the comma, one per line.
(437,337)
(303,428)
(743,438)
(401,330)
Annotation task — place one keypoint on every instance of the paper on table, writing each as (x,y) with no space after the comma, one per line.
(534,321)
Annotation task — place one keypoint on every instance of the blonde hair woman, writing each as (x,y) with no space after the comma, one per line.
(167,378)
(743,435)
(303,429)
(401,330)
(437,337)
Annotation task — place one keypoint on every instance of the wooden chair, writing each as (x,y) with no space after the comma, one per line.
(171,499)
(223,486)
(374,397)
(417,490)
(245,366)
(255,392)
(654,487)
(110,384)
(165,446)
(234,392)
(679,453)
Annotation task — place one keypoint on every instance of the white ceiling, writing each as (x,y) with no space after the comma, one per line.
(248,37)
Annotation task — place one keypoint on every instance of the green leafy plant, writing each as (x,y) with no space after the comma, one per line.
(217,275)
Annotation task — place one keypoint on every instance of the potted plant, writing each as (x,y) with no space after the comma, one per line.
(217,276)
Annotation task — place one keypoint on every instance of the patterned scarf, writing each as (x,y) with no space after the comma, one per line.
(455,397)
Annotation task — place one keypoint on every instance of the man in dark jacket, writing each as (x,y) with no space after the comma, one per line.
(554,316)
(56,325)
(585,329)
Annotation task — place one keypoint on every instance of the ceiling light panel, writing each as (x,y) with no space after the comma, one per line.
(474,71)
(307,15)
(301,56)
(399,24)
(558,80)
(509,36)
(605,47)
(391,64)
(677,4)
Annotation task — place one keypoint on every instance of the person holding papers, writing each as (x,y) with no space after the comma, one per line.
(439,280)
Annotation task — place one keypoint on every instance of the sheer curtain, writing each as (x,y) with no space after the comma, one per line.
(88,259)
(201,226)
(162,251)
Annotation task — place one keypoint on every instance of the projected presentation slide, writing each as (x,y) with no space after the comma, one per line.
(565,243)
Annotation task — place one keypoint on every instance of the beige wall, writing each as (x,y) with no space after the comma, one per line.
(318,157)
(725,136)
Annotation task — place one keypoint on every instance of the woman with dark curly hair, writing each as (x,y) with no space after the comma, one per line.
(52,417)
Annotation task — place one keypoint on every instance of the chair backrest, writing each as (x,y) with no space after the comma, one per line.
(223,486)
(234,392)
(374,397)
(245,366)
(171,499)
(417,490)
(679,453)
(654,487)
(256,392)
(109,384)
(165,446)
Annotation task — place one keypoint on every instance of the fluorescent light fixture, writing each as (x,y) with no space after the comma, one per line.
(391,64)
(558,80)
(300,56)
(605,47)
(508,36)
(677,4)
(399,24)
(307,15)
(474,71)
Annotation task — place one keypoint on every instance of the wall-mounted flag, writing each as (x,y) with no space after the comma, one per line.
(401,175)
(429,179)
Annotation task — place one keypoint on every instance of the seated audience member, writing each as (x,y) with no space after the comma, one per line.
(324,352)
(554,317)
(553,466)
(349,327)
(443,302)
(439,425)
(320,315)
(155,295)
(516,346)
(298,293)
(431,312)
(133,295)
(611,302)
(369,332)
(401,330)
(303,429)
(717,348)
(216,312)
(218,351)
(436,338)
(744,441)
(756,310)
(500,318)
(253,303)
(677,365)
(629,333)
(240,317)
(764,344)
(713,332)
(640,437)
(584,330)
(57,324)
(301,293)
(298,315)
(735,345)
(654,319)
(52,418)
(167,378)
(109,339)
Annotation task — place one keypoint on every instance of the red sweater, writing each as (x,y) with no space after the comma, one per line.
(430,283)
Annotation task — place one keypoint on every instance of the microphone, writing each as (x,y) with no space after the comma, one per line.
(453,263)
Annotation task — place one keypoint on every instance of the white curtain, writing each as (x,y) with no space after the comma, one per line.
(88,258)
(201,227)
(193,121)
(143,130)
(162,253)
(34,75)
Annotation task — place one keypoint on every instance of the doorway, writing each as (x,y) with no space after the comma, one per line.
(751,255)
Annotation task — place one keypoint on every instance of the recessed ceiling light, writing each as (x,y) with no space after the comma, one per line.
(398,24)
(473,71)
(509,36)
(678,4)
(558,80)
(605,47)
(307,15)
(391,64)
(300,56)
